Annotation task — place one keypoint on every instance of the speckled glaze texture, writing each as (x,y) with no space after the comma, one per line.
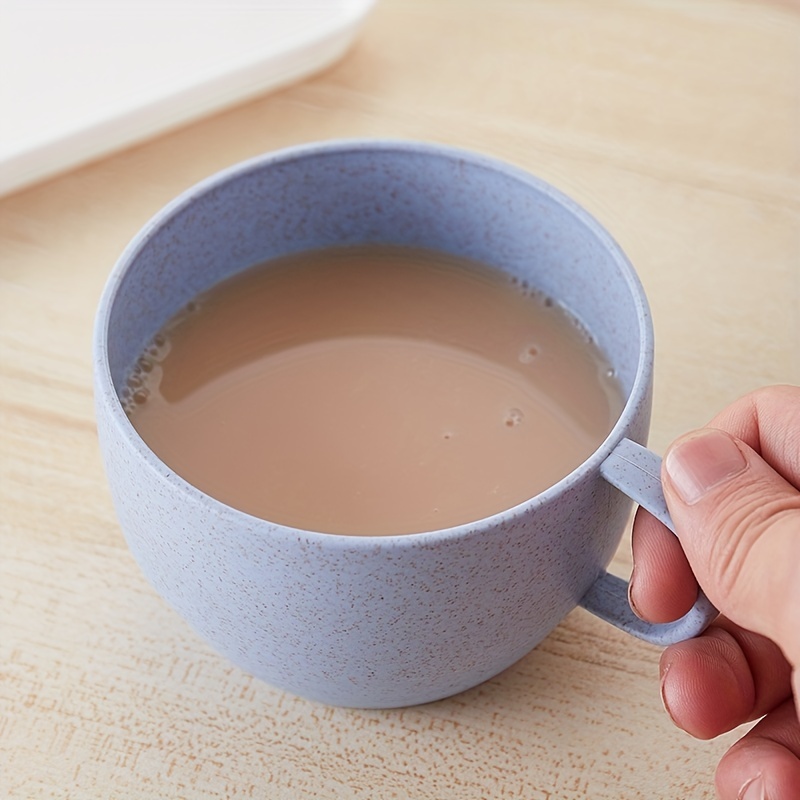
(370,621)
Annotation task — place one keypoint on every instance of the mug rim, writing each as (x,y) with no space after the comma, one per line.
(106,394)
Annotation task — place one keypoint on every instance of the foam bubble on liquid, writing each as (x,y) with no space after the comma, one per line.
(145,375)
(528,353)
(514,417)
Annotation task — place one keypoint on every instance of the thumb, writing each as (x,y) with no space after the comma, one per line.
(739,523)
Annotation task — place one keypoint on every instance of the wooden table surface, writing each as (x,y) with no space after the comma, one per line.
(676,124)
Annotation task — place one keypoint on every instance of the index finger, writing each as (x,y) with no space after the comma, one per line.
(768,420)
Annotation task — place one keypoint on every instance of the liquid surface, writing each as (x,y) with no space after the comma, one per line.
(372,390)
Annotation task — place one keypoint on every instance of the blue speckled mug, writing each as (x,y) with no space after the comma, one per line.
(398,620)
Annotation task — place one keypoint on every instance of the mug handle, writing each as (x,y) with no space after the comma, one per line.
(636,471)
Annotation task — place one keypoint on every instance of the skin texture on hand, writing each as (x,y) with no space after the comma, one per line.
(732,491)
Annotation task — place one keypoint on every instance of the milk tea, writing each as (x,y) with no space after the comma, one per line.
(372,390)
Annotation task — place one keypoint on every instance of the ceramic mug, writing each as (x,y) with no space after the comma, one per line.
(392,620)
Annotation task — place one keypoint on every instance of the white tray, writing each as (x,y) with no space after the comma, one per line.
(81,79)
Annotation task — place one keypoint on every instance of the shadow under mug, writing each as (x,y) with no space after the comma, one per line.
(397,620)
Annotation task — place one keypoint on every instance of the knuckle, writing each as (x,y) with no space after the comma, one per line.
(741,527)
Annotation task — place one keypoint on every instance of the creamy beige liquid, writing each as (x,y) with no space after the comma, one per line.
(372,390)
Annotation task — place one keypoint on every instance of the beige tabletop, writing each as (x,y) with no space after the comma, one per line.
(676,124)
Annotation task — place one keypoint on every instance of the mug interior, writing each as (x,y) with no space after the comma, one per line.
(376,192)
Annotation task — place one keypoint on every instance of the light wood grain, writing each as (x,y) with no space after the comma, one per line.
(675,123)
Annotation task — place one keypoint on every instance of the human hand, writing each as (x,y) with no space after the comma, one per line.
(732,491)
